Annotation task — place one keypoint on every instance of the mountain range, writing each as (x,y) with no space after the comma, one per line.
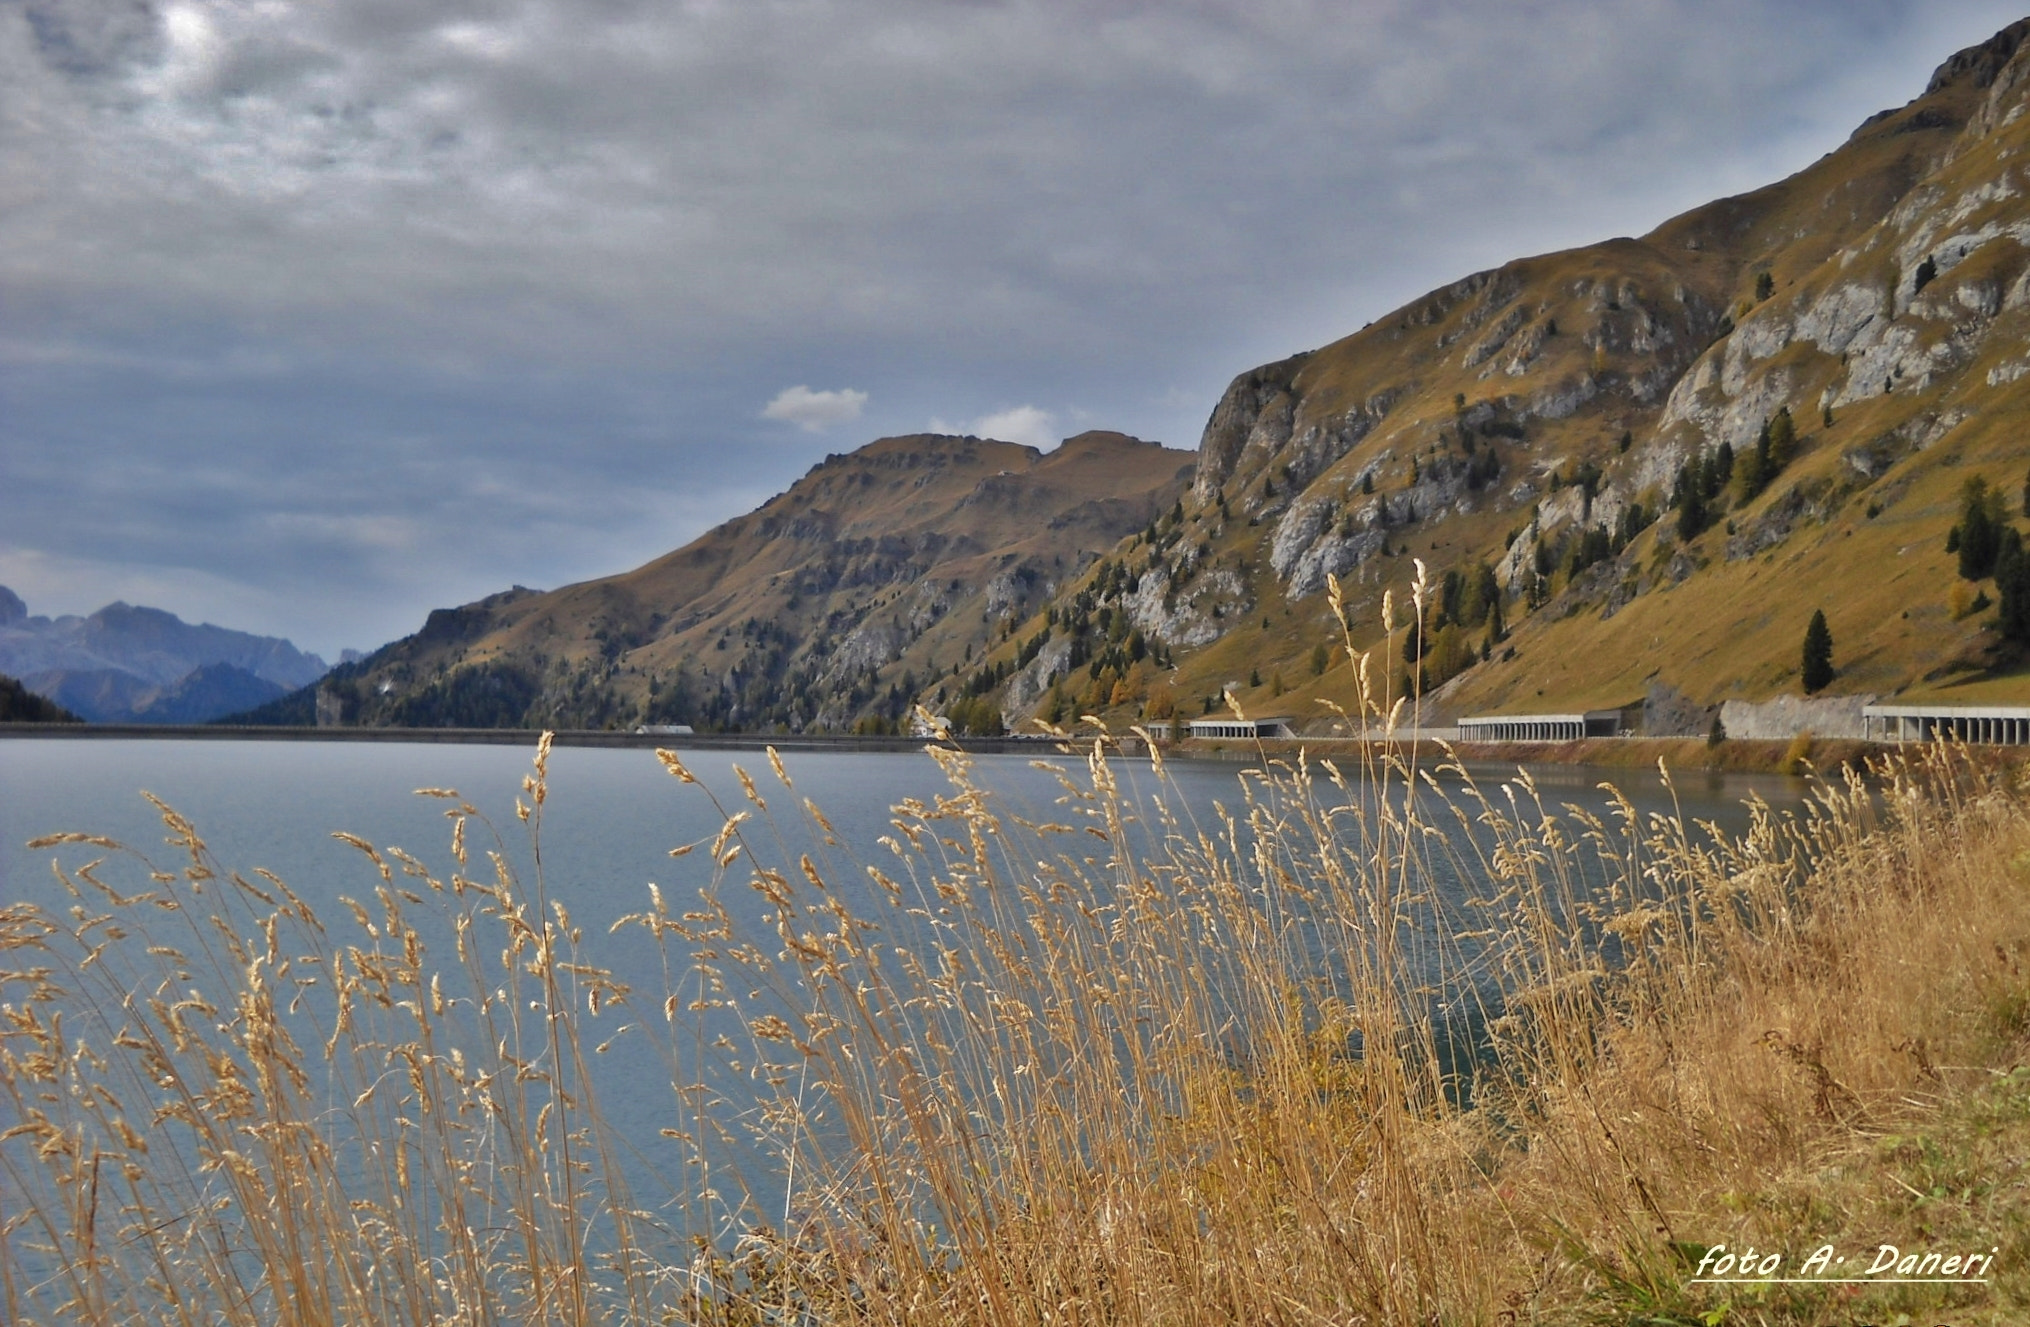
(1633,472)
(125,664)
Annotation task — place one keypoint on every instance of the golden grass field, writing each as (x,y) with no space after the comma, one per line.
(1257,1071)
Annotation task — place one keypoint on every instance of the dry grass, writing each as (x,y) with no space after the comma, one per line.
(1274,1069)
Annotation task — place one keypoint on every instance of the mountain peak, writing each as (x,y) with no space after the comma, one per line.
(1104,440)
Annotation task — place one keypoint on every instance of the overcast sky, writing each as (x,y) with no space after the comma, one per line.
(315,316)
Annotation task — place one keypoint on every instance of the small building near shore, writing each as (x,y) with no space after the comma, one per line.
(1246,729)
(1540,727)
(1991,725)
(663,729)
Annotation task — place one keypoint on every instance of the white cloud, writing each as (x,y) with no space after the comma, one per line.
(813,411)
(1028,424)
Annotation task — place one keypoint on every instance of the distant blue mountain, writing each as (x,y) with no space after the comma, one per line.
(129,664)
(106,695)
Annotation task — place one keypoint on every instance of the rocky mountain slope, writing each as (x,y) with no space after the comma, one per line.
(130,664)
(834,604)
(1634,471)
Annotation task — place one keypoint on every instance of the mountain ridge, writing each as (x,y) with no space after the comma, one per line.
(878,566)
(115,664)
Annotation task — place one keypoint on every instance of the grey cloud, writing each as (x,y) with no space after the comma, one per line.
(93,39)
(299,279)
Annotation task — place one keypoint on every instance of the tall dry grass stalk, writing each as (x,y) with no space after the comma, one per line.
(1380,1045)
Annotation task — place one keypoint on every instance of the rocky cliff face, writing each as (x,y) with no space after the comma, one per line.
(1255,413)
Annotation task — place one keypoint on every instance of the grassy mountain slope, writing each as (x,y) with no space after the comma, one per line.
(1878,297)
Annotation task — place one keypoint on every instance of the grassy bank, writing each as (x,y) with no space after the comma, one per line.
(1271,1069)
(1734,755)
(1685,753)
(1645,754)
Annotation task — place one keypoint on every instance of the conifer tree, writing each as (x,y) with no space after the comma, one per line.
(1452,597)
(1817,669)
(1982,520)
(1722,468)
(2012,587)
(1485,598)
(1782,440)
(1691,511)
(1751,472)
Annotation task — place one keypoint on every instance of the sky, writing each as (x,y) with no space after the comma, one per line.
(317,316)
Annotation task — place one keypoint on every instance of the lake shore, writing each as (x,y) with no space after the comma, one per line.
(516,737)
(1679,753)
